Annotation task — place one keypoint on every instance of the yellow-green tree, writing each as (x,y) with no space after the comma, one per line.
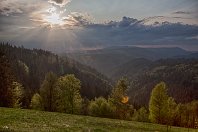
(141,115)
(171,111)
(17,93)
(36,102)
(158,104)
(68,94)
(101,107)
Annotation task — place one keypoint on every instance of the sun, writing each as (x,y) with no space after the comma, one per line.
(54,19)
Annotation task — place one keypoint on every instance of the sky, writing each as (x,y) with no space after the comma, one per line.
(67,25)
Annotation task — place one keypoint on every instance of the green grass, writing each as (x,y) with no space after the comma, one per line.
(30,120)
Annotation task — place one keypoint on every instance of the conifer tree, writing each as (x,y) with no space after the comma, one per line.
(47,91)
(158,104)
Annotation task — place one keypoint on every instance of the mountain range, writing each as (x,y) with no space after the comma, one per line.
(107,60)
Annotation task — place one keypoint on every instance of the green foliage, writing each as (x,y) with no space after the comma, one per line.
(85,106)
(68,96)
(101,107)
(6,79)
(47,91)
(119,99)
(184,115)
(119,91)
(141,115)
(18,93)
(171,111)
(158,103)
(190,115)
(180,76)
(36,102)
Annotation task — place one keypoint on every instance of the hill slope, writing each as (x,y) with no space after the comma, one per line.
(30,67)
(30,120)
(180,75)
(107,60)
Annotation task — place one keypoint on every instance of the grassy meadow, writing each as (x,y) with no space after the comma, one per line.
(31,120)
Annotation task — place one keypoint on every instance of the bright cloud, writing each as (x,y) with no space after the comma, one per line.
(60,3)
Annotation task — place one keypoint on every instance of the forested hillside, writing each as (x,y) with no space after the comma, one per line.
(29,68)
(181,76)
(145,67)
(107,60)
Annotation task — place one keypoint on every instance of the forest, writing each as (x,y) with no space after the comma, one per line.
(162,91)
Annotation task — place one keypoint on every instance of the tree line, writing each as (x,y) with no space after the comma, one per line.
(62,94)
(164,110)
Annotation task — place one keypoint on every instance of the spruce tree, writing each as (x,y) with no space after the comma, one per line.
(158,104)
(47,91)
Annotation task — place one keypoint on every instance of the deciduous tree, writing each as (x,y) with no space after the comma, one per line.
(18,93)
(68,94)
(36,102)
(101,107)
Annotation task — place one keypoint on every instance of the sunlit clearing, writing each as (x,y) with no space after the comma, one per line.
(54,19)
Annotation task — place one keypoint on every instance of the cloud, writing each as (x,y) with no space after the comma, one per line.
(60,3)
(182,12)
(8,7)
(193,37)
(74,19)
(127,31)
(19,7)
(78,19)
(130,31)
(127,21)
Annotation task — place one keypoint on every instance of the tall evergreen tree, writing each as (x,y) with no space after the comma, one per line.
(120,99)
(158,103)
(6,79)
(47,91)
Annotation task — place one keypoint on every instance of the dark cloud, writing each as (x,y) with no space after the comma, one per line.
(182,12)
(127,21)
(130,31)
